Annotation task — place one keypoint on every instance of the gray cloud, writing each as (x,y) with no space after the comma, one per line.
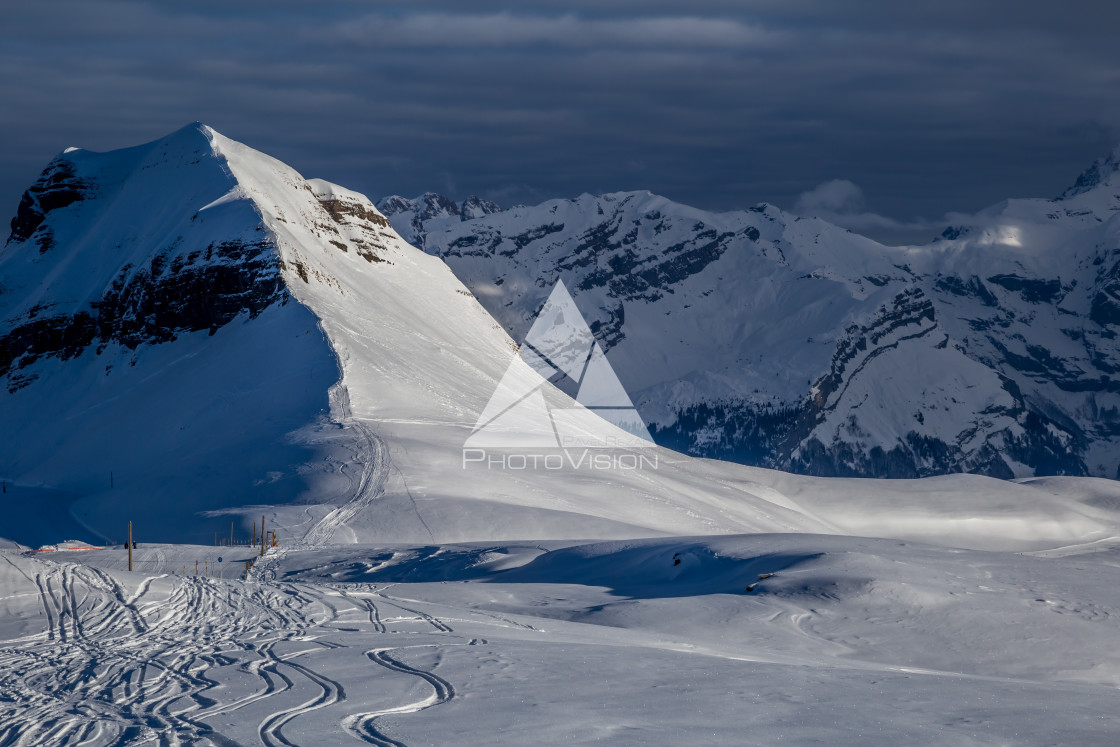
(837,196)
(929,109)
(842,202)
(508,30)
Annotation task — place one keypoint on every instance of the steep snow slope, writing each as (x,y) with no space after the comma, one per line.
(420,358)
(774,340)
(1031,289)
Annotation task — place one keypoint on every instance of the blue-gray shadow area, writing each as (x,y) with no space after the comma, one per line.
(35,516)
(639,569)
(202,425)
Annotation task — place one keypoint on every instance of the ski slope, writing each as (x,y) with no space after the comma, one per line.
(848,641)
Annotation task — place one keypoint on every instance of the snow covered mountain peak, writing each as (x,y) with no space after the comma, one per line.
(77,175)
(123,266)
(1101,173)
(477,207)
(409,216)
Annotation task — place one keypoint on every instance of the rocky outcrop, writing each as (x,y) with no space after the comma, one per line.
(1105,309)
(1094,176)
(476,207)
(56,188)
(1032,290)
(358,214)
(204,289)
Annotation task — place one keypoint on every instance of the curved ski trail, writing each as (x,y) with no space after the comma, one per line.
(375,473)
(364,725)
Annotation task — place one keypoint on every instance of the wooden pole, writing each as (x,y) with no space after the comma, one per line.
(130,545)
(262,535)
(231,534)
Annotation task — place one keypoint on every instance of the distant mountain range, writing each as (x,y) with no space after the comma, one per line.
(764,338)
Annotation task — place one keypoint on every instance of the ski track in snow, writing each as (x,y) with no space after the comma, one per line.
(294,656)
(373,454)
(152,665)
(364,725)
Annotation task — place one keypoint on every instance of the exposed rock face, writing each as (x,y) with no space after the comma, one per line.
(354,216)
(410,217)
(57,187)
(61,336)
(205,290)
(1105,310)
(146,284)
(340,210)
(1031,290)
(476,207)
(1095,176)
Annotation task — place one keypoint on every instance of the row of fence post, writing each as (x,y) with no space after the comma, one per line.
(268,538)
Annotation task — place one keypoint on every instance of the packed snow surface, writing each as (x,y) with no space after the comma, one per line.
(756,639)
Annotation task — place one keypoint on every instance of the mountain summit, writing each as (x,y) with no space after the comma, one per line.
(409,216)
(1101,174)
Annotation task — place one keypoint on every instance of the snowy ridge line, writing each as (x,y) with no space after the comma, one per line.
(725,327)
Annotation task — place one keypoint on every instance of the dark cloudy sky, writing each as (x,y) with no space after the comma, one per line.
(915,111)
